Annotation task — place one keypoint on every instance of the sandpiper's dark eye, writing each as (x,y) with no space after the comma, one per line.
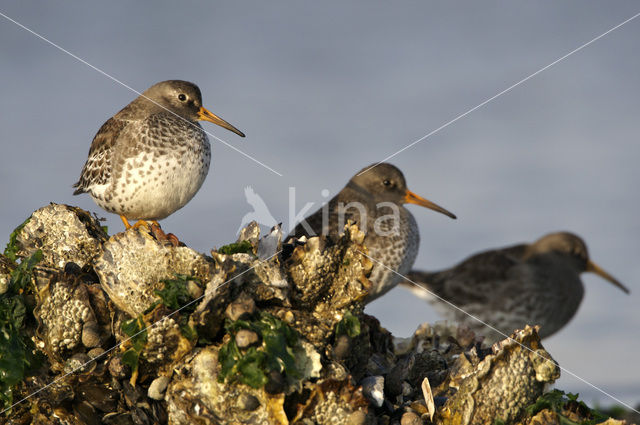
(386,182)
(182,97)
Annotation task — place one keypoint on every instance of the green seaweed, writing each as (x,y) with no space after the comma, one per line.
(175,296)
(243,247)
(558,401)
(136,330)
(278,351)
(12,246)
(18,354)
(349,325)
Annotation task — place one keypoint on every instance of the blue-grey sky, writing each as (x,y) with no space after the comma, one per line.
(324,88)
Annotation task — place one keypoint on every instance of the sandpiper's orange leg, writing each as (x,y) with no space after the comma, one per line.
(125,221)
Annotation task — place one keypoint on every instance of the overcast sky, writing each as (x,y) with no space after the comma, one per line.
(324,88)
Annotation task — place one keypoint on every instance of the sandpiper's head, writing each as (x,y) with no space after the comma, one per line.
(184,99)
(573,247)
(385,183)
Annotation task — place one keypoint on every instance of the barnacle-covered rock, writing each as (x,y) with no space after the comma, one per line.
(234,278)
(64,234)
(259,332)
(502,384)
(65,314)
(166,341)
(328,278)
(196,396)
(334,402)
(134,263)
(327,275)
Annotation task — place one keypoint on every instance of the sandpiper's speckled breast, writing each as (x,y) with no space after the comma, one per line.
(393,243)
(163,162)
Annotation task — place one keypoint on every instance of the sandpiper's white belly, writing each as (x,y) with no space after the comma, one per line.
(153,186)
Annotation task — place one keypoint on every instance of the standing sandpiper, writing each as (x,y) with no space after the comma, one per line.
(508,288)
(374,199)
(150,159)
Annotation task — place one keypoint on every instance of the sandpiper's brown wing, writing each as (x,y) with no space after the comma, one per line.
(473,281)
(97,169)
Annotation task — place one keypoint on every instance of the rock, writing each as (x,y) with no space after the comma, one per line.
(78,362)
(91,334)
(410,418)
(242,306)
(250,233)
(157,388)
(373,389)
(288,326)
(196,396)
(63,308)
(501,385)
(117,369)
(96,352)
(166,343)
(246,338)
(342,347)
(330,275)
(335,402)
(64,234)
(248,402)
(194,290)
(358,417)
(133,264)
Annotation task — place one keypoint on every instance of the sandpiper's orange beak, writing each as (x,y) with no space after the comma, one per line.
(206,115)
(412,198)
(594,268)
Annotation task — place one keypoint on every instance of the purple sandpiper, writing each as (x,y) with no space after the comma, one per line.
(374,199)
(508,288)
(150,159)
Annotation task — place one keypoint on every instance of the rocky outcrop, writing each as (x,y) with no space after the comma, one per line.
(133,329)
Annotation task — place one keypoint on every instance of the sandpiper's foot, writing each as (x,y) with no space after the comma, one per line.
(141,223)
(161,236)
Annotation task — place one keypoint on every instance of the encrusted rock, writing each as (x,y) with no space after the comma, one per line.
(64,234)
(287,319)
(502,384)
(242,306)
(63,309)
(335,402)
(330,276)
(134,263)
(195,396)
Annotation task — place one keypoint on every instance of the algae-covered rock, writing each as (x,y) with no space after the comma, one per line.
(196,396)
(133,264)
(133,329)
